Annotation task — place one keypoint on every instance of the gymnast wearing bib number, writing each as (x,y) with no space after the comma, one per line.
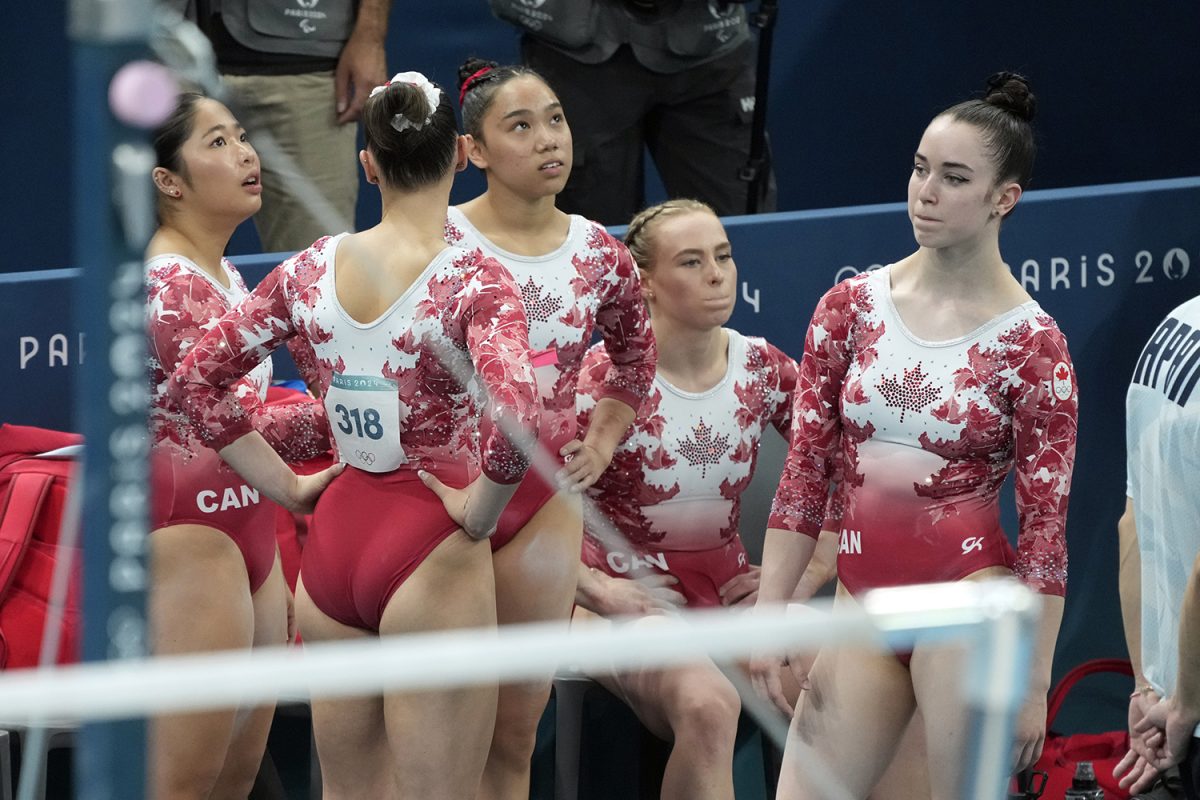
(575,279)
(409,337)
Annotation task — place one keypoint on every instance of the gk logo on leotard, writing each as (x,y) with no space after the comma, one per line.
(972,543)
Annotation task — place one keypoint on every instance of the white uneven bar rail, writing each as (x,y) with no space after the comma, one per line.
(133,688)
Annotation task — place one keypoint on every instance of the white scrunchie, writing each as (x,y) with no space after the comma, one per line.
(433,95)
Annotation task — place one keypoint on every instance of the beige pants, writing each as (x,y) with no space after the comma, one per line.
(297,111)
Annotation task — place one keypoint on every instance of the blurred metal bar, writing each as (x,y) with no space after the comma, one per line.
(112,222)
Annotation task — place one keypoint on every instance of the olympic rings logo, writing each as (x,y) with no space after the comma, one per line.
(365,457)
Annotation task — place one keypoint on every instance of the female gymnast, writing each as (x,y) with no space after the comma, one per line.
(574,278)
(216,582)
(405,331)
(667,509)
(933,377)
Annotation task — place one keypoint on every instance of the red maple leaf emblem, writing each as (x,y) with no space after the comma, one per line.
(909,394)
(538,306)
(702,449)
(1062,373)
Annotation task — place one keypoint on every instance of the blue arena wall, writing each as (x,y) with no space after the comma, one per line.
(1107,262)
(853,84)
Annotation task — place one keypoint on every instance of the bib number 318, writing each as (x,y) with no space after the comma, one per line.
(359,422)
(365,414)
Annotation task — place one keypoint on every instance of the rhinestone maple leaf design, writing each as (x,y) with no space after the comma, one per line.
(538,306)
(909,394)
(702,449)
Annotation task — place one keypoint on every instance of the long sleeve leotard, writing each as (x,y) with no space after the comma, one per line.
(190,484)
(671,499)
(928,431)
(587,283)
(458,330)
(183,303)
(405,392)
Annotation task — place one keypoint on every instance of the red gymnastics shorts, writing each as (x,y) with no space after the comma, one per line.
(201,489)
(370,532)
(701,573)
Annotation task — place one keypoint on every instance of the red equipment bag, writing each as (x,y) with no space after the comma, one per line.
(1061,753)
(33,492)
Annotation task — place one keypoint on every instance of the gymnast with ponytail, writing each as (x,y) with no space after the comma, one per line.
(929,381)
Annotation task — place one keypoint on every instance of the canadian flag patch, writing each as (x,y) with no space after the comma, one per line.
(1061,381)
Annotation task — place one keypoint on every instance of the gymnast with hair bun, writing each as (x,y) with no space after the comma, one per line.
(574,279)
(413,340)
(933,378)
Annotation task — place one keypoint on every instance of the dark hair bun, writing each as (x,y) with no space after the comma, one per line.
(412,136)
(471,66)
(1011,92)
(398,99)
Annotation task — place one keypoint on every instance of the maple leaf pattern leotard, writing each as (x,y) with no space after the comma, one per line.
(672,495)
(190,484)
(927,432)
(462,316)
(677,477)
(588,282)
(182,304)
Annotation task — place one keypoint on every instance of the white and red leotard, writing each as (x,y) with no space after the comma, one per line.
(404,393)
(190,483)
(673,490)
(928,431)
(589,282)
